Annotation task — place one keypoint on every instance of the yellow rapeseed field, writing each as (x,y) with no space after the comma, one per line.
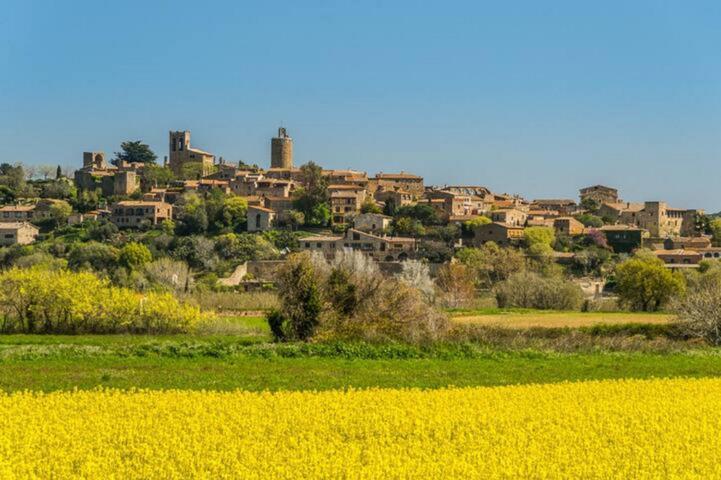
(608,429)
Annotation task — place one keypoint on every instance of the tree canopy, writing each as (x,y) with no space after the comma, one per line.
(135,151)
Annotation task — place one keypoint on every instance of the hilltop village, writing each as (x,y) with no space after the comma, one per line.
(258,215)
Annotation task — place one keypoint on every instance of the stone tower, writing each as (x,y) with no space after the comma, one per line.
(281,150)
(185,161)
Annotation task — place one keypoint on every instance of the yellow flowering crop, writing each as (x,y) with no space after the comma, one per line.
(609,429)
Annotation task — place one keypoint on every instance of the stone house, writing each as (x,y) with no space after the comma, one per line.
(563,206)
(679,256)
(379,248)
(500,233)
(621,212)
(709,253)
(568,226)
(345,202)
(624,238)
(687,243)
(600,194)
(134,214)
(662,221)
(346,177)
(372,222)
(17,213)
(403,181)
(17,233)
(280,205)
(509,216)
(259,219)
(451,204)
(396,199)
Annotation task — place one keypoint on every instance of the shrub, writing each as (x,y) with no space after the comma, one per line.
(699,312)
(530,290)
(349,298)
(455,280)
(37,300)
(134,255)
(300,297)
(644,283)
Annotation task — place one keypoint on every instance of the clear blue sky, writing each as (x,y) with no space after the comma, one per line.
(537,98)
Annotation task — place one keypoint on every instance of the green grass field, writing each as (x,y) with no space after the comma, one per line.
(236,352)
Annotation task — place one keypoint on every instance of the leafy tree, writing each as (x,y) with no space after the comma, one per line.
(369,206)
(490,263)
(715,228)
(59,212)
(13,177)
(408,226)
(134,255)
(591,205)
(425,214)
(283,239)
(198,251)
(475,222)
(242,247)
(155,176)
(590,220)
(538,236)
(644,283)
(58,173)
(61,189)
(192,215)
(311,198)
(299,292)
(93,255)
(135,151)
(234,211)
(87,200)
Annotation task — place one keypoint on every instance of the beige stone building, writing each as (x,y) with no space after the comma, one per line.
(510,216)
(662,221)
(563,206)
(345,202)
(396,199)
(186,161)
(568,226)
(134,214)
(346,177)
(451,204)
(679,257)
(17,213)
(259,219)
(403,181)
(600,194)
(17,233)
(500,233)
(379,248)
(372,222)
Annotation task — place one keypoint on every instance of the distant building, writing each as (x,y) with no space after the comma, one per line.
(510,216)
(679,257)
(563,206)
(379,248)
(623,238)
(345,202)
(600,194)
(497,232)
(372,222)
(187,161)
(17,213)
(403,181)
(135,214)
(259,219)
(17,233)
(568,226)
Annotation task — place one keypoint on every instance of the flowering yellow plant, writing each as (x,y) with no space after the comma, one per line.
(606,429)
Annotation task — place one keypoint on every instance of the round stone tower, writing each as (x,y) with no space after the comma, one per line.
(281,150)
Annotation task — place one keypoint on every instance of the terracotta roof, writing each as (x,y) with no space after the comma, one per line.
(138,203)
(17,225)
(402,175)
(17,208)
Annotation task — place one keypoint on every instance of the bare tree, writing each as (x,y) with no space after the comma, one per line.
(699,312)
(46,171)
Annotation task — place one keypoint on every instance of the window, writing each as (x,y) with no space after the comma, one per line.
(9,235)
(307,244)
(356,236)
(319,245)
(257,220)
